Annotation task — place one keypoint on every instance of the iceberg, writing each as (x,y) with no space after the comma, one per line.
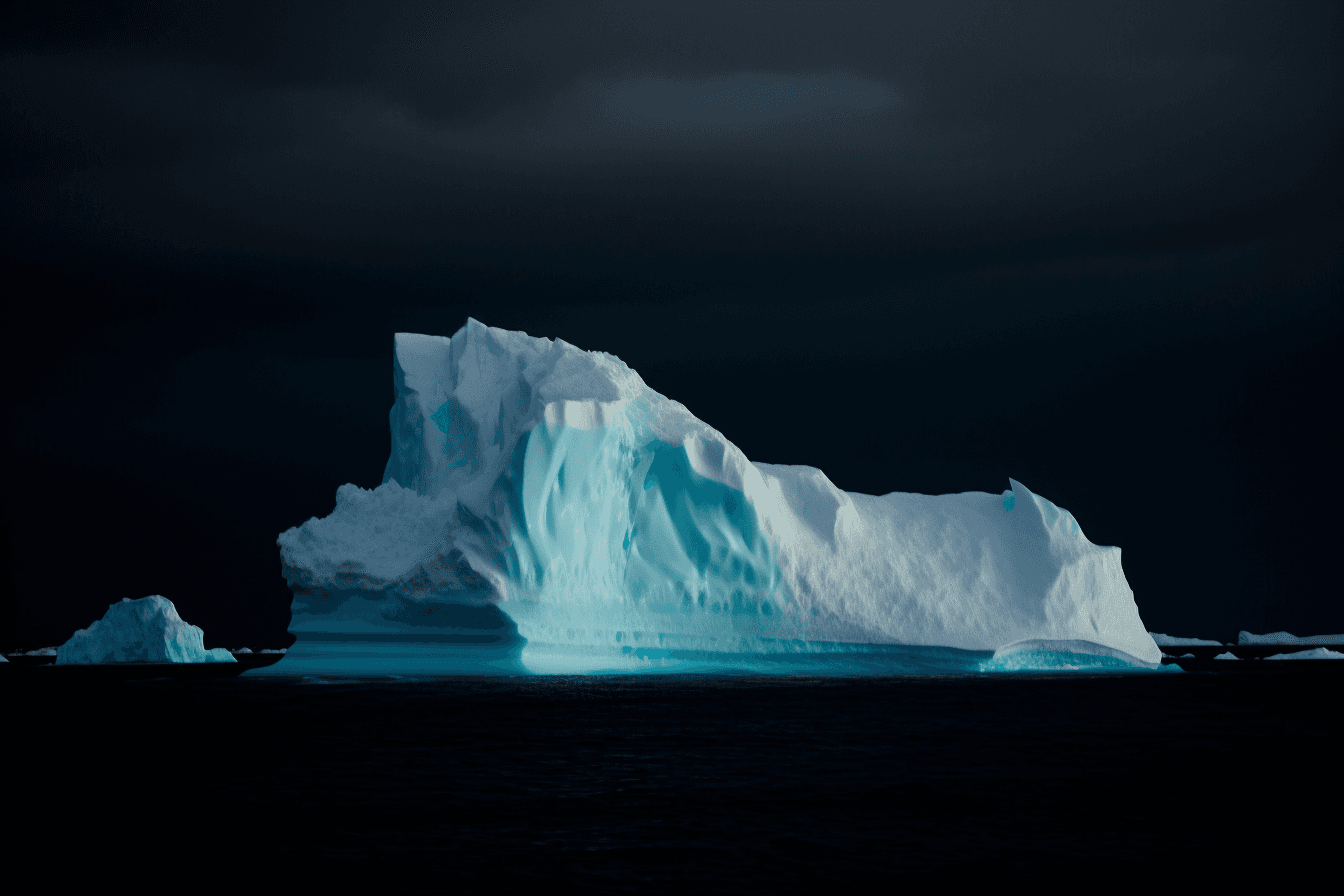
(543,493)
(1320,653)
(147,630)
(1246,638)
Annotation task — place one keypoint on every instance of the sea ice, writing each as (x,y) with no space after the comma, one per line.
(1227,655)
(1320,653)
(548,492)
(147,630)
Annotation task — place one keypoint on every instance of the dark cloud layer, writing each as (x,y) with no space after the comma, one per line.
(921,246)
(587,128)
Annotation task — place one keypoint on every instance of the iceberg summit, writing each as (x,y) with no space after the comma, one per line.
(543,493)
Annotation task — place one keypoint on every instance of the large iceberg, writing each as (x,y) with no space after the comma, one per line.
(147,630)
(548,487)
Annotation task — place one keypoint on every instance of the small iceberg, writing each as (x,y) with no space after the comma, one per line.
(1229,655)
(147,630)
(1245,638)
(1320,653)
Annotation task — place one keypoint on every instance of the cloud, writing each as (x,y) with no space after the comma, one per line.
(732,102)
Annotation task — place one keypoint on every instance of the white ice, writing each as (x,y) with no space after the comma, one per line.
(1286,638)
(147,630)
(531,477)
(1169,641)
(1320,653)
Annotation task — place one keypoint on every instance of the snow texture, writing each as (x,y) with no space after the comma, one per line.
(1285,638)
(1320,653)
(1169,641)
(147,630)
(530,477)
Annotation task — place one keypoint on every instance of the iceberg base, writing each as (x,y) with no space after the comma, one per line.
(333,654)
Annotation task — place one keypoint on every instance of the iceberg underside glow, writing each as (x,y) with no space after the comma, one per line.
(541,495)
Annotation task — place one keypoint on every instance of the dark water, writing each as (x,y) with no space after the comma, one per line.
(657,783)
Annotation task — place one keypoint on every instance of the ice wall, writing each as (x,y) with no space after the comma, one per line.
(535,485)
(147,630)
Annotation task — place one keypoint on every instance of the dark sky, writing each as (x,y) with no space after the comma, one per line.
(924,247)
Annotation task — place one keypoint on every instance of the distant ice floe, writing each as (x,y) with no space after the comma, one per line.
(1320,653)
(1229,655)
(1246,638)
(147,630)
(241,650)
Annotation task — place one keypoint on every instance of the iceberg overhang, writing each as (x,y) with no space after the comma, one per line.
(547,492)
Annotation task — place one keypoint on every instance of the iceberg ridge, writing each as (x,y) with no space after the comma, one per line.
(539,487)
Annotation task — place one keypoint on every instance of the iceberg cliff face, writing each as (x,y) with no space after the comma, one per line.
(551,484)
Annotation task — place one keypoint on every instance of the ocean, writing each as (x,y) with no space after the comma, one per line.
(655,783)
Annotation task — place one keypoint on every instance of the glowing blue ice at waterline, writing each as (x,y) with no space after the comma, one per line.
(546,494)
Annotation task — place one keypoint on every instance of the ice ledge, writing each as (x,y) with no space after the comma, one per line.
(1080,648)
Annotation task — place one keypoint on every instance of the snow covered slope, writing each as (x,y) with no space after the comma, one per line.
(530,477)
(147,630)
